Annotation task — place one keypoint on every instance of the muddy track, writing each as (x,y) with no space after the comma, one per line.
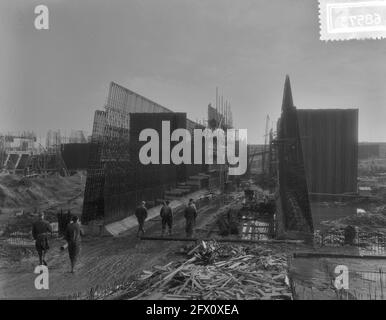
(104,261)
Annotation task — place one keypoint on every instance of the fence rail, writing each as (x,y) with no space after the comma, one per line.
(25,239)
(368,242)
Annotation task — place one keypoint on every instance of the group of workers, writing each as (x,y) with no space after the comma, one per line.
(41,229)
(166,214)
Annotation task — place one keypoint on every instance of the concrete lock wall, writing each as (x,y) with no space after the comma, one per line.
(115,181)
(330,148)
(128,182)
(75,155)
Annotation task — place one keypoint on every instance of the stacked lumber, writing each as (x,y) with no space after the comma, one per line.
(237,273)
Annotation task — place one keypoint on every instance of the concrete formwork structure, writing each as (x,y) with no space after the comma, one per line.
(116,181)
(75,155)
(330,148)
(294,219)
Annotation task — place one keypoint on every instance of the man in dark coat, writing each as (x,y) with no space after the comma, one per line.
(141,214)
(349,235)
(238,182)
(73,237)
(40,231)
(190,216)
(166,217)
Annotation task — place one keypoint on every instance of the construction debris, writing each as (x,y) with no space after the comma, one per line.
(229,222)
(221,272)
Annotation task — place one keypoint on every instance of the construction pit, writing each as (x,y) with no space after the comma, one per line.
(111,261)
(233,245)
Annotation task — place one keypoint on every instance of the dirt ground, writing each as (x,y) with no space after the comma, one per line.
(104,261)
(108,261)
(21,199)
(313,277)
(18,193)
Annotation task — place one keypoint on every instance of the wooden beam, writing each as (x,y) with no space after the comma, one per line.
(221,240)
(335,255)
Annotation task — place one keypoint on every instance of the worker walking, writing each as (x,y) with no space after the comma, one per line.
(40,231)
(166,217)
(190,216)
(238,181)
(73,235)
(141,214)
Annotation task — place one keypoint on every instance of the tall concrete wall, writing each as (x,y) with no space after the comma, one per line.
(330,148)
(115,181)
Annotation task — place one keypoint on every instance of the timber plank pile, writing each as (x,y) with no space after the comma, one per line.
(226,272)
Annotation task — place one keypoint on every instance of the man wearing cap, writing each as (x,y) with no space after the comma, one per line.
(190,216)
(40,231)
(73,237)
(166,217)
(141,214)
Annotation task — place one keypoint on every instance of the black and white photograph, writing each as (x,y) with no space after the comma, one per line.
(193,154)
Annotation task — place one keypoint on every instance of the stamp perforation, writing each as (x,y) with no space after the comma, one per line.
(331,30)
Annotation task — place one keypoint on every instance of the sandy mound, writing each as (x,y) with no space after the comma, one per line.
(18,192)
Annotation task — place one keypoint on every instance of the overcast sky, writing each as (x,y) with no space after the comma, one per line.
(176,52)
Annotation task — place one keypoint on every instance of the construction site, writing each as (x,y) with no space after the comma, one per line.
(312,198)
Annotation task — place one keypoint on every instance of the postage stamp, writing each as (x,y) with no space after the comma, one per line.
(352,19)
